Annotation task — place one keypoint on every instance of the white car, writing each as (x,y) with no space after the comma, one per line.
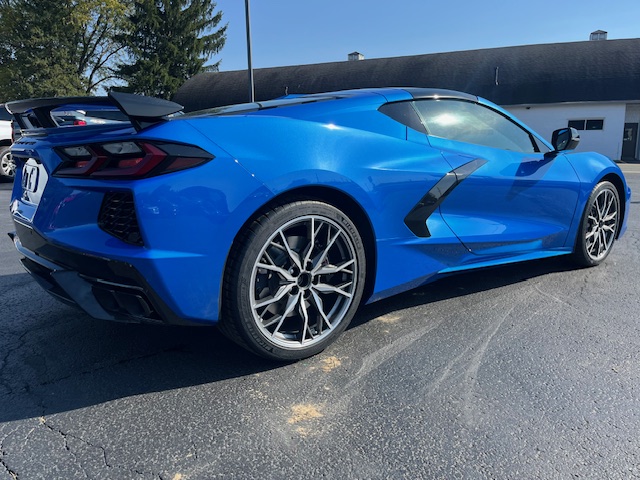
(7,165)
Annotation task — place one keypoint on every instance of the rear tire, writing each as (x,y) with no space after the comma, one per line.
(599,225)
(294,281)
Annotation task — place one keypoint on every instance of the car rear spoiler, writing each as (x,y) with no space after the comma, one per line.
(142,111)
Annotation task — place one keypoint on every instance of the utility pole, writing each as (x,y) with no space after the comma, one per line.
(252,92)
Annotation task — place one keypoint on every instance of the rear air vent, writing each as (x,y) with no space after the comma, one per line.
(118,217)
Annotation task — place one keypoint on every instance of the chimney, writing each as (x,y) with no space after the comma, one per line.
(355,56)
(598,35)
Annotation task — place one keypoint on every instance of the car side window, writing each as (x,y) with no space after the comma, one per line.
(469,122)
(404,113)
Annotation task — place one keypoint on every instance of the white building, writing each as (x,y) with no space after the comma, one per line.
(603,126)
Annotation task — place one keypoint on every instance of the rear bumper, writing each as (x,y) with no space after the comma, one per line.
(104,288)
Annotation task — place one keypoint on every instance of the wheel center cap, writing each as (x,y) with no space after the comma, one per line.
(304,280)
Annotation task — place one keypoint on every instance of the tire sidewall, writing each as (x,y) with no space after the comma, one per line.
(580,251)
(261,232)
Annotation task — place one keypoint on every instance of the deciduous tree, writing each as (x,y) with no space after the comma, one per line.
(58,47)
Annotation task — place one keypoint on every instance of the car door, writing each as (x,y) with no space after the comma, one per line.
(513,196)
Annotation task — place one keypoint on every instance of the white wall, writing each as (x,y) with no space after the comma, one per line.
(544,119)
(633,113)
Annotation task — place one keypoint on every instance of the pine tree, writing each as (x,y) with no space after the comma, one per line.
(170,42)
(36,57)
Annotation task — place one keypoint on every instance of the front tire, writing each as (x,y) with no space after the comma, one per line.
(599,225)
(294,281)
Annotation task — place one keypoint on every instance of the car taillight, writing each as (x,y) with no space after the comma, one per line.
(79,122)
(128,159)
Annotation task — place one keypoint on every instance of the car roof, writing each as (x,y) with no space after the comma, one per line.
(384,95)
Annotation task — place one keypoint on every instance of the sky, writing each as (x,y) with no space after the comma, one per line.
(295,32)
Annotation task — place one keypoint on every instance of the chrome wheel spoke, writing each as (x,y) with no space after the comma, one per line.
(599,207)
(282,291)
(291,305)
(303,281)
(328,269)
(341,290)
(323,255)
(602,242)
(292,301)
(312,241)
(305,316)
(602,223)
(295,258)
(323,320)
(280,271)
(609,201)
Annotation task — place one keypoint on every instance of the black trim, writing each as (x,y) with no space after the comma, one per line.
(404,113)
(23,106)
(417,218)
(439,93)
(104,288)
(467,169)
(142,111)
(118,217)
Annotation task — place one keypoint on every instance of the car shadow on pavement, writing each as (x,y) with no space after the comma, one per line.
(465,283)
(54,358)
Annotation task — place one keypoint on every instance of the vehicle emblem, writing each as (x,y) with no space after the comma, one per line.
(30,178)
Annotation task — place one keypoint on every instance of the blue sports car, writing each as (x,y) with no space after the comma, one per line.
(276,220)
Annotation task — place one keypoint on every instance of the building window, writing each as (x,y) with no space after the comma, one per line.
(595,124)
(588,124)
(577,124)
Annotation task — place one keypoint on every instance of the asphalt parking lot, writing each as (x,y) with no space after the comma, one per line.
(527,371)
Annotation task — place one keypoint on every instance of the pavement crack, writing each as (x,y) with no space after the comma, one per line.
(3,462)
(191,441)
(6,467)
(195,449)
(4,363)
(66,435)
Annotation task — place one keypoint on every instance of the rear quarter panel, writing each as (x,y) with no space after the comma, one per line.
(377,167)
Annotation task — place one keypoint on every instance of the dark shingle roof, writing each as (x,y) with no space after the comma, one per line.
(549,73)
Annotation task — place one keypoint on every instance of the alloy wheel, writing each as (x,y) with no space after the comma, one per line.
(602,223)
(7,165)
(303,281)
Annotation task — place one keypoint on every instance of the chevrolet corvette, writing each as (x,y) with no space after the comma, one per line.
(275,220)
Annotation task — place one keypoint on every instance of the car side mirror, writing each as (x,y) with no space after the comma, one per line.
(565,139)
